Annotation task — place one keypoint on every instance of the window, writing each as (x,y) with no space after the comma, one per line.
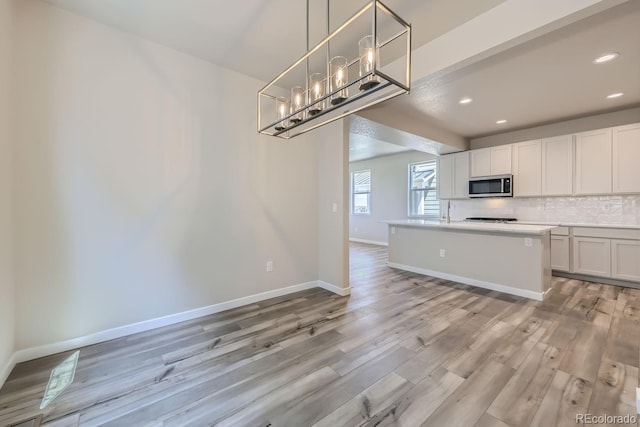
(361,192)
(422,190)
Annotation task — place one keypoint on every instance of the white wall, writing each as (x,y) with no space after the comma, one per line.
(6,154)
(333,157)
(389,192)
(143,188)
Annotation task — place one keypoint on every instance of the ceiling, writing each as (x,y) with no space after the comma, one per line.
(259,38)
(369,139)
(547,79)
(363,147)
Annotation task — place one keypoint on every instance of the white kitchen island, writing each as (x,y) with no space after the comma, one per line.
(510,258)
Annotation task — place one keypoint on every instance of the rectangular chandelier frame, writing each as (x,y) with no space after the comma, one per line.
(286,118)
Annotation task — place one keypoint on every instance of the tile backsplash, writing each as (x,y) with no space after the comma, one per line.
(624,209)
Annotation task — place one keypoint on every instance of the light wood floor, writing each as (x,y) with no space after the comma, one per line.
(404,349)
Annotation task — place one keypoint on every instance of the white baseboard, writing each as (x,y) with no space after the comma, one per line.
(7,368)
(122,331)
(335,289)
(369,242)
(469,281)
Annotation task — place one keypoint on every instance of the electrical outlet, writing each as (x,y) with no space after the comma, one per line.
(393,230)
(443,253)
(334,208)
(269,266)
(528,241)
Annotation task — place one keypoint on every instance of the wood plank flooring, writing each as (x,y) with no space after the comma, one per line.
(402,350)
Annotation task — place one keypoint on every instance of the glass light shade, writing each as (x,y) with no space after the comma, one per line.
(368,56)
(282,110)
(339,78)
(317,87)
(297,102)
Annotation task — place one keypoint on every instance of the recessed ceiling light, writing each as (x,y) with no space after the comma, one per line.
(615,95)
(500,122)
(606,57)
(465,100)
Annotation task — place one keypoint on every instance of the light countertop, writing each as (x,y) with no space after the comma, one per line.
(518,228)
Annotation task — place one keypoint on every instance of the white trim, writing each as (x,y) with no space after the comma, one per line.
(7,368)
(369,242)
(122,331)
(335,289)
(473,282)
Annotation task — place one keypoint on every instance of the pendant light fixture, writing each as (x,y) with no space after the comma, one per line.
(341,75)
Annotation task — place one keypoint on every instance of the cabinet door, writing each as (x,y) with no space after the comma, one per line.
(461,175)
(501,160)
(592,256)
(444,183)
(593,162)
(560,253)
(626,159)
(625,260)
(481,162)
(557,166)
(527,169)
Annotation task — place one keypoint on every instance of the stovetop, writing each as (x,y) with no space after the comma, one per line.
(488,219)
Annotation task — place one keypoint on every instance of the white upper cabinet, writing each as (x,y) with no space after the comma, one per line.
(461,175)
(603,161)
(557,166)
(527,169)
(593,162)
(453,176)
(501,160)
(626,159)
(481,162)
(491,161)
(445,177)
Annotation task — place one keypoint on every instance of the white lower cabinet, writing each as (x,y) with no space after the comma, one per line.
(592,256)
(560,253)
(625,259)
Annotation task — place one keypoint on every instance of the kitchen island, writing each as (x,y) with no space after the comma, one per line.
(510,258)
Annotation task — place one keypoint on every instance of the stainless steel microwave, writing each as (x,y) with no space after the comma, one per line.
(491,186)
